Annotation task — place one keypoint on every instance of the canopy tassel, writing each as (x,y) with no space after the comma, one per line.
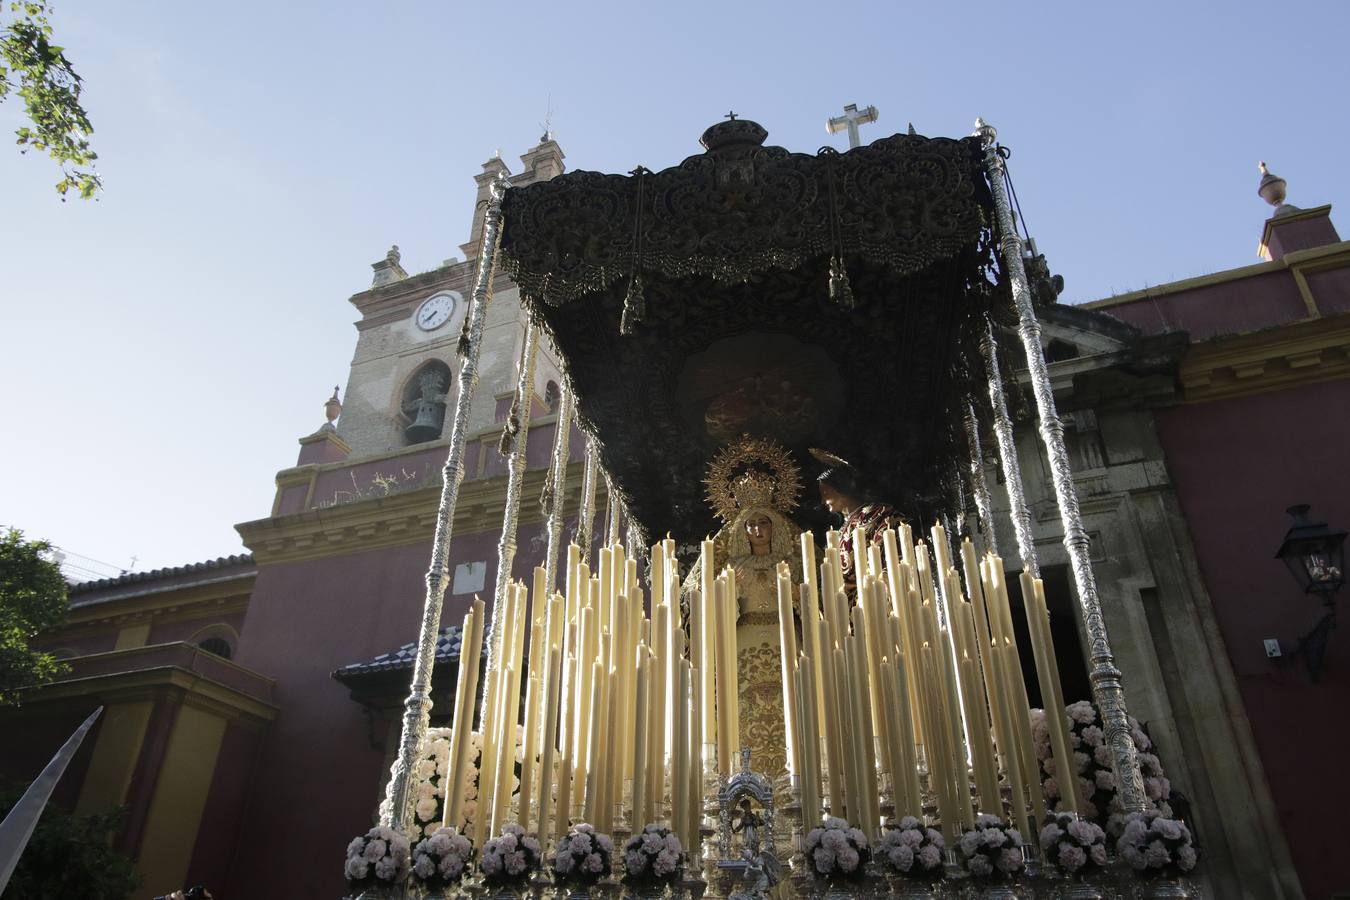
(634,305)
(841,291)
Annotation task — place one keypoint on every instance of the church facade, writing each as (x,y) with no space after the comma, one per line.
(252,704)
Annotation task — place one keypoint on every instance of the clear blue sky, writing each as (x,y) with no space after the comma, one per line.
(164,347)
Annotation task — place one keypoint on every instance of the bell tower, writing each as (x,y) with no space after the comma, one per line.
(402,378)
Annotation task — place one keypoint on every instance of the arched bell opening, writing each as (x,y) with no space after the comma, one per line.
(423,402)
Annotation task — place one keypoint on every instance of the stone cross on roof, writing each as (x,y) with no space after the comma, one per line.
(850,120)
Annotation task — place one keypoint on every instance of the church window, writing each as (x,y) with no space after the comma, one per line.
(423,402)
(1058,351)
(216,645)
(552,393)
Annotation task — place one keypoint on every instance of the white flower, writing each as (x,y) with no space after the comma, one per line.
(375,849)
(980,865)
(1071,857)
(385,868)
(356,869)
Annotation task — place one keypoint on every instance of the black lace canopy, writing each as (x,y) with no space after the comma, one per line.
(825,300)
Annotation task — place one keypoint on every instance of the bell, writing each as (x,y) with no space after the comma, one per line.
(426,408)
(427,422)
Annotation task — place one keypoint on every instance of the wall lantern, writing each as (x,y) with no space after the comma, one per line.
(1315,555)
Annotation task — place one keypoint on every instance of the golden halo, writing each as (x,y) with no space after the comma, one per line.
(757,461)
(828,458)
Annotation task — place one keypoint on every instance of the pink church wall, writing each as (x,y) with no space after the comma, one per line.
(1237,465)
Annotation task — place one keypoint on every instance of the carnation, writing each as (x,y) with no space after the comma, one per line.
(381,854)
(442,858)
(992,848)
(583,856)
(653,855)
(837,850)
(912,849)
(1154,844)
(509,858)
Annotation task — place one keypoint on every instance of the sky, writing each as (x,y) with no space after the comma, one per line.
(164,347)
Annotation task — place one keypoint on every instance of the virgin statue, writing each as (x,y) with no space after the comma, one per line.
(753,485)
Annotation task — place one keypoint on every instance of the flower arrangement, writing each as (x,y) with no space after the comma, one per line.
(441,859)
(992,849)
(380,856)
(837,850)
(584,856)
(1075,845)
(1154,845)
(431,785)
(509,858)
(912,849)
(653,855)
(1094,767)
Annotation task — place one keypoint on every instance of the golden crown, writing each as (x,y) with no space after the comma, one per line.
(752,473)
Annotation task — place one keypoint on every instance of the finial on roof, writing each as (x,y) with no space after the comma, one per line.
(332,408)
(911,128)
(1272,190)
(389,269)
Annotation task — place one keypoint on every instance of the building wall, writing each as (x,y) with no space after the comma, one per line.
(1238,463)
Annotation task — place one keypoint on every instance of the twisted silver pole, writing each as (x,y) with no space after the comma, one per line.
(586,521)
(397,808)
(1107,689)
(984,506)
(562,440)
(515,479)
(1007,454)
(613,513)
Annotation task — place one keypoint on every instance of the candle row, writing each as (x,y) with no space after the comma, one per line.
(919,673)
(922,673)
(610,700)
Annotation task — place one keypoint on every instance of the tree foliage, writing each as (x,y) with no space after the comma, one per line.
(71,856)
(39,72)
(32,599)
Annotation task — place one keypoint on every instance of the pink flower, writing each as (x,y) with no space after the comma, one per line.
(1082,712)
(1156,855)
(1167,828)
(1071,857)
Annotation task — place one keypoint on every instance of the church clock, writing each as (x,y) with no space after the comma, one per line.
(436,311)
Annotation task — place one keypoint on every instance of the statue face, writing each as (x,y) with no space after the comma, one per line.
(759,530)
(835,500)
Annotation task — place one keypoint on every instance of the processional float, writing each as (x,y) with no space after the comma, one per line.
(880,280)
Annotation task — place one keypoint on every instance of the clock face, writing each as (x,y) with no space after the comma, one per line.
(436,311)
